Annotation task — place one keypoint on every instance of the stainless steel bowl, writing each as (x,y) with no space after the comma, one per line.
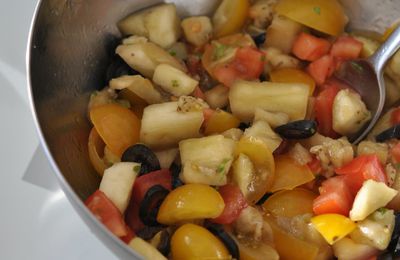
(70,45)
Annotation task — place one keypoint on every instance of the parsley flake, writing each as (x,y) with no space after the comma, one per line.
(317,10)
(219,51)
(221,167)
(136,168)
(357,67)
(172,52)
(175,83)
(382,211)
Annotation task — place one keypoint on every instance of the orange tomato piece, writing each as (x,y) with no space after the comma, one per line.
(221,121)
(137,103)
(289,174)
(95,150)
(230,17)
(118,126)
(291,75)
(326,16)
(290,203)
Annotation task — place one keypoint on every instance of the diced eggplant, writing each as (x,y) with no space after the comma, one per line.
(217,97)
(349,113)
(197,29)
(262,131)
(174,81)
(274,119)
(347,249)
(276,59)
(369,147)
(159,23)
(206,160)
(289,98)
(166,157)
(163,126)
(179,50)
(261,12)
(233,133)
(145,57)
(145,249)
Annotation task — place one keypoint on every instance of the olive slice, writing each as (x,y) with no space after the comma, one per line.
(259,39)
(175,171)
(148,233)
(242,126)
(142,154)
(150,205)
(391,133)
(164,246)
(218,231)
(394,245)
(264,198)
(117,68)
(297,129)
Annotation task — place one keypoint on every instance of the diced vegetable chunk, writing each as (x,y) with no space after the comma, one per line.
(347,249)
(310,48)
(197,30)
(333,227)
(261,130)
(174,81)
(346,47)
(221,121)
(230,17)
(145,249)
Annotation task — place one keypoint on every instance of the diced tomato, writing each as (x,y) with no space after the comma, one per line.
(132,216)
(395,116)
(321,69)
(346,47)
(360,169)
(310,48)
(207,114)
(105,211)
(234,204)
(193,64)
(248,64)
(129,235)
(198,93)
(335,197)
(395,153)
(323,110)
(315,165)
(143,183)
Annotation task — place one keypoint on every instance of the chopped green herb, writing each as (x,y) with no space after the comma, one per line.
(136,168)
(219,51)
(124,103)
(172,52)
(221,167)
(357,66)
(263,58)
(382,210)
(317,10)
(94,94)
(397,166)
(175,83)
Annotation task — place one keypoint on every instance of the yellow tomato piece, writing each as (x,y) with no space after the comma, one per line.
(137,103)
(290,203)
(291,75)
(221,121)
(189,202)
(323,15)
(333,227)
(264,164)
(260,252)
(195,242)
(95,149)
(118,126)
(289,174)
(290,247)
(230,17)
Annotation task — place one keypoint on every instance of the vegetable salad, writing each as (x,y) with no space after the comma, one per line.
(225,137)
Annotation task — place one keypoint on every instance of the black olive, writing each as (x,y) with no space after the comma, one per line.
(391,133)
(148,233)
(164,246)
(298,129)
(242,126)
(264,198)
(150,205)
(142,154)
(175,171)
(118,68)
(218,231)
(259,39)
(394,245)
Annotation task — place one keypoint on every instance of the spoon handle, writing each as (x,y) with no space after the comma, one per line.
(386,50)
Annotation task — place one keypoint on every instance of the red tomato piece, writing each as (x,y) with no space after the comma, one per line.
(315,165)
(248,64)
(347,48)
(106,212)
(395,116)
(198,93)
(207,114)
(335,197)
(143,183)
(310,48)
(395,153)
(129,235)
(360,169)
(234,204)
(323,110)
(132,216)
(321,69)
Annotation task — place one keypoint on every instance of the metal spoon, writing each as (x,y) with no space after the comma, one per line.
(366,77)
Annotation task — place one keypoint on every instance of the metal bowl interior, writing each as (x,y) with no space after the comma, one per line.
(71,43)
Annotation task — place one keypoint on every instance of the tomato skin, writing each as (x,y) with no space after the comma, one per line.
(395,116)
(360,169)
(106,212)
(321,69)
(335,197)
(315,165)
(248,64)
(143,183)
(346,48)
(395,153)
(235,202)
(323,110)
(310,48)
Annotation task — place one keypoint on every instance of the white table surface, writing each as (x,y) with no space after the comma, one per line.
(36,220)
